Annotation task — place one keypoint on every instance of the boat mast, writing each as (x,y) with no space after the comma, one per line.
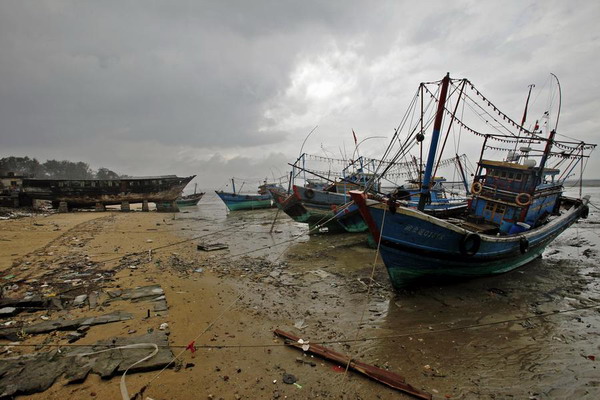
(434,142)
(522,127)
(462,174)
(233,185)
(540,175)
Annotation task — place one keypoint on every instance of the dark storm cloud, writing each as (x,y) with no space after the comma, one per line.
(163,86)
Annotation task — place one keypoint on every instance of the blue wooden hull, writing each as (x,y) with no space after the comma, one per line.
(235,201)
(415,245)
(332,207)
(339,207)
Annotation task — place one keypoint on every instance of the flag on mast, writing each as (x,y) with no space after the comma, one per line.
(355,141)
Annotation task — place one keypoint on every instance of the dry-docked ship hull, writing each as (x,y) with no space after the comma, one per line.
(89,192)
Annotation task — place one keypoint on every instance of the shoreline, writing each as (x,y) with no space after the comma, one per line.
(316,288)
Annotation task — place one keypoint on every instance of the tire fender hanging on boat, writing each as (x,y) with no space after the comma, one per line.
(523,245)
(391,205)
(585,211)
(469,244)
(309,194)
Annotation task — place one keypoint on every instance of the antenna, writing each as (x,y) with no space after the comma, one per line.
(559,100)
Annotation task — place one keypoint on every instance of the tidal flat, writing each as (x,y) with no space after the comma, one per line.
(529,333)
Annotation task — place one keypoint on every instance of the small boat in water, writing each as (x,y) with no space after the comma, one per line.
(517,207)
(190,199)
(237,201)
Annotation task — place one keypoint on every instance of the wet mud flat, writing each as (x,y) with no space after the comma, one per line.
(531,333)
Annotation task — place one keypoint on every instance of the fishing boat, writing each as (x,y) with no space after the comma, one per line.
(319,213)
(325,207)
(331,207)
(516,210)
(237,201)
(90,192)
(190,199)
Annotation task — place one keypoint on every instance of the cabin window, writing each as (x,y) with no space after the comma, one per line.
(511,175)
(503,174)
(61,184)
(518,176)
(93,183)
(489,206)
(13,183)
(109,183)
(500,209)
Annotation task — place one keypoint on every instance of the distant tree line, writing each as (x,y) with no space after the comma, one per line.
(52,169)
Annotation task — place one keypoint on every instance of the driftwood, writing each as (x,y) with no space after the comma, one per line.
(386,377)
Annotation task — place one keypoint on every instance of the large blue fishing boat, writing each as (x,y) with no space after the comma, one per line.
(517,206)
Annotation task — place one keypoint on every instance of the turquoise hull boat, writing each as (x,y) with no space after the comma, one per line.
(236,202)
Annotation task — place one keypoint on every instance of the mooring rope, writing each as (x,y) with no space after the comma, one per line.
(367,296)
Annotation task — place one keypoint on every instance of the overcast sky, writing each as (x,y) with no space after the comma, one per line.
(232,88)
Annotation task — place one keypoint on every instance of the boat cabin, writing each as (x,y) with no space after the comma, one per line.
(513,196)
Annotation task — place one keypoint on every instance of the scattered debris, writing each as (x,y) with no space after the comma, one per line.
(34,373)
(289,379)
(63,324)
(386,377)
(79,300)
(300,324)
(212,246)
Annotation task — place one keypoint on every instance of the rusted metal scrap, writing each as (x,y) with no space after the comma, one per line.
(386,377)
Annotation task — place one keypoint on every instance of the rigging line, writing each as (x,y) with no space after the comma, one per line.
(405,148)
(492,117)
(547,82)
(292,239)
(171,244)
(496,109)
(341,341)
(210,325)
(368,295)
(398,129)
(484,120)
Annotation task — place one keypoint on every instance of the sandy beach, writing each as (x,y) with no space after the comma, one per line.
(531,333)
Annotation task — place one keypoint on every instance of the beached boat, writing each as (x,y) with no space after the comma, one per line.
(337,212)
(517,208)
(190,199)
(237,201)
(318,213)
(90,192)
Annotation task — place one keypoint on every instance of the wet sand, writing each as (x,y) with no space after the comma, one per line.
(449,339)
